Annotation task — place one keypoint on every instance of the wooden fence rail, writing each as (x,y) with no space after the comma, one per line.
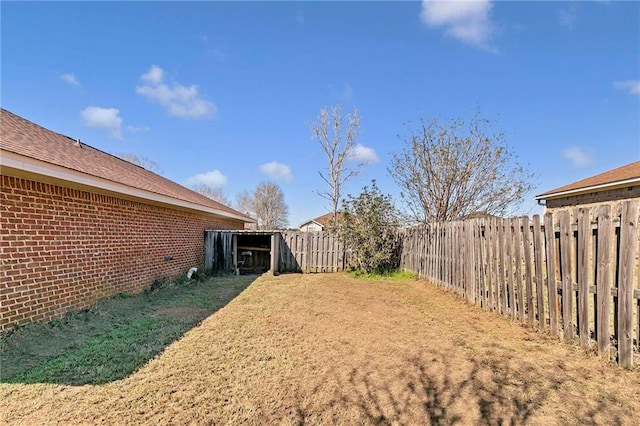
(574,274)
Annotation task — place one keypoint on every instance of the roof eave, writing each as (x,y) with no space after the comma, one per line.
(587,189)
(23,166)
(309,222)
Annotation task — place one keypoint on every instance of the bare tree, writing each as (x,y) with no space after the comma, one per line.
(244,203)
(266,204)
(448,171)
(140,160)
(337,143)
(215,194)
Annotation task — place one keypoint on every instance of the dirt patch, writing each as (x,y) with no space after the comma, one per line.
(326,349)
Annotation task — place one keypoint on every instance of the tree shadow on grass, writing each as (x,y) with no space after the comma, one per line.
(431,389)
(116,336)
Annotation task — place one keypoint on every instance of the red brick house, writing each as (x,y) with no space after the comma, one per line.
(612,186)
(78,224)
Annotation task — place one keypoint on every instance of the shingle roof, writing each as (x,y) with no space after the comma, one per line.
(23,137)
(620,174)
(324,220)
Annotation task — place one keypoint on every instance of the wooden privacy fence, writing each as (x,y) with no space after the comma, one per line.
(311,252)
(289,251)
(575,275)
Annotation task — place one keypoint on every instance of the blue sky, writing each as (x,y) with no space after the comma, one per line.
(222,92)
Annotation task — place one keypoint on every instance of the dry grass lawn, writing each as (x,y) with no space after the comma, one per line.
(331,349)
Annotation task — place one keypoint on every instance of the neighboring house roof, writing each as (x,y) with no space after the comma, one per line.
(310,222)
(324,220)
(616,178)
(31,149)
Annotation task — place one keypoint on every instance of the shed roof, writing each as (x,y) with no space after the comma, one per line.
(25,138)
(621,176)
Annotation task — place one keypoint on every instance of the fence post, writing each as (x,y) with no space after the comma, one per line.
(208,251)
(275,253)
(234,253)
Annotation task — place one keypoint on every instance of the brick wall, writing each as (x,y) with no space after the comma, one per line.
(62,249)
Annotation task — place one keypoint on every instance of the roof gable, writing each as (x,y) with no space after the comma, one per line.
(620,175)
(310,222)
(324,220)
(22,137)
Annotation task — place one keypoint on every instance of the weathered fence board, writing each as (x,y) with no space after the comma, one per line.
(528,274)
(218,250)
(552,272)
(566,235)
(518,270)
(628,250)
(511,297)
(603,280)
(567,275)
(584,246)
(538,252)
(502,271)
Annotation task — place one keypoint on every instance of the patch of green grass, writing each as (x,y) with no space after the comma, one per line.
(394,275)
(114,337)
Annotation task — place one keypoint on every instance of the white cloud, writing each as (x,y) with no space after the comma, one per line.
(213,178)
(344,94)
(364,154)
(134,129)
(578,156)
(180,101)
(219,54)
(632,86)
(277,171)
(153,76)
(567,16)
(467,21)
(105,118)
(70,79)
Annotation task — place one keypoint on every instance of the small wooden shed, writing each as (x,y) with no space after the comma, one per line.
(276,251)
(241,251)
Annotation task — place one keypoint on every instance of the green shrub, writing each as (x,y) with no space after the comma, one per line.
(368,228)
